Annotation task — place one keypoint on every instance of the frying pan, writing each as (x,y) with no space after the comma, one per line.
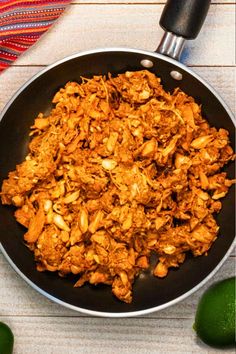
(181,20)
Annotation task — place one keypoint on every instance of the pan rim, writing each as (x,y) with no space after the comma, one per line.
(169,303)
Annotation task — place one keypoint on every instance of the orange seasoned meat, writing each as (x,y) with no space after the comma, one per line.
(118,170)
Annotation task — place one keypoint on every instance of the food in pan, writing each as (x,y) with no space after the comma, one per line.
(118,170)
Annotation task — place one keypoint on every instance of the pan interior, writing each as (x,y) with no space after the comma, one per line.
(149,292)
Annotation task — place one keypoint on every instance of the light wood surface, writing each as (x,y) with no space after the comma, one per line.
(131,2)
(83,27)
(43,327)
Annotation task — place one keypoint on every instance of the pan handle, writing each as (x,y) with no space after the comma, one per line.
(181,20)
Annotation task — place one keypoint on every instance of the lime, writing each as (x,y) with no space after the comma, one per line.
(215,316)
(6,339)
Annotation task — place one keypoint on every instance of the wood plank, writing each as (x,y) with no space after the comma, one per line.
(105,336)
(221,78)
(12,79)
(146,2)
(19,299)
(84,27)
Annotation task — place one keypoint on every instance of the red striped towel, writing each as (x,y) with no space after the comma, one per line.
(22,22)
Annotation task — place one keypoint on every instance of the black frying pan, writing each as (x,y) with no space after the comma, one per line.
(181,19)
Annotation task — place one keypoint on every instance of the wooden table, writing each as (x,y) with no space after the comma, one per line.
(41,326)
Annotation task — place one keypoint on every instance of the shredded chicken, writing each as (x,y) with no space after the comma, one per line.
(119,169)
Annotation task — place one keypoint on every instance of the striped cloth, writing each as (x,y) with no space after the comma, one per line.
(22,22)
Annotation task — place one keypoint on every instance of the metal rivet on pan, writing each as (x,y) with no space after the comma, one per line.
(146,63)
(176,75)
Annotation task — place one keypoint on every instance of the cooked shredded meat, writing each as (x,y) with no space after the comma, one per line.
(119,169)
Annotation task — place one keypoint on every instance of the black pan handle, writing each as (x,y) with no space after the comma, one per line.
(184,17)
(181,19)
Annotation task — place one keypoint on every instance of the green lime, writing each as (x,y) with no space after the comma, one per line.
(215,316)
(6,339)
